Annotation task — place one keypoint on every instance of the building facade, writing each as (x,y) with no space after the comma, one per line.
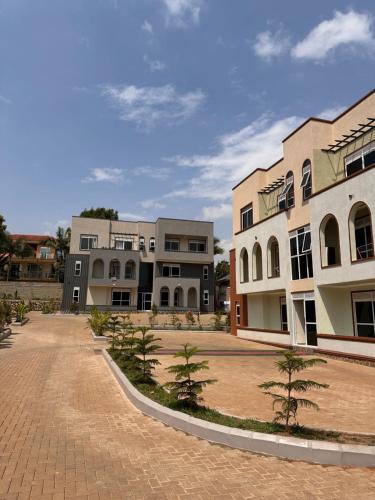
(121,265)
(40,265)
(302,264)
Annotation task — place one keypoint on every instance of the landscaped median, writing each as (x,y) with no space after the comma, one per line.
(316,451)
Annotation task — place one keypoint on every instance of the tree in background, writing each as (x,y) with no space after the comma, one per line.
(61,244)
(221,269)
(100,213)
(15,248)
(218,250)
(3,234)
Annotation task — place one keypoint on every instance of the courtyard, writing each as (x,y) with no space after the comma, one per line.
(67,431)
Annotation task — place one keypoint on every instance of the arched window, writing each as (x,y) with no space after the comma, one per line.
(244,266)
(306,184)
(286,198)
(130,270)
(360,231)
(114,269)
(164,297)
(273,258)
(330,241)
(192,298)
(98,269)
(178,297)
(257,262)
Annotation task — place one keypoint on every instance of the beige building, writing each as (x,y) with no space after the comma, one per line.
(304,270)
(126,265)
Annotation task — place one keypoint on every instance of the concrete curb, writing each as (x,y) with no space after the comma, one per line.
(319,452)
(98,337)
(5,334)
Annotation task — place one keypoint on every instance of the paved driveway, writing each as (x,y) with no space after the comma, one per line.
(66,431)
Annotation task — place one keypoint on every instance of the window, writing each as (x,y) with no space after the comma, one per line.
(310,322)
(152,244)
(257,262)
(197,246)
(98,269)
(172,245)
(114,269)
(45,252)
(360,230)
(141,243)
(300,252)
(130,270)
(88,241)
(76,294)
(178,297)
(120,298)
(361,159)
(123,244)
(306,179)
(364,313)
(286,198)
(283,314)
(244,266)
(205,272)
(273,258)
(330,241)
(247,216)
(206,298)
(238,313)
(164,297)
(171,270)
(77,268)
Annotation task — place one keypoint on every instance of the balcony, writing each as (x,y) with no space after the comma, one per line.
(114,268)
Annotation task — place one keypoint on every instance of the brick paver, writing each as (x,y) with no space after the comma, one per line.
(67,431)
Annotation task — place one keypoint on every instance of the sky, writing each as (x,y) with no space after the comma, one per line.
(157,108)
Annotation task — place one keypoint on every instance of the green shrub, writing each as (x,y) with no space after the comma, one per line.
(175,321)
(189,316)
(74,308)
(21,310)
(5,315)
(98,321)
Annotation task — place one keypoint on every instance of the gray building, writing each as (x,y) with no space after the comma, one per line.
(124,265)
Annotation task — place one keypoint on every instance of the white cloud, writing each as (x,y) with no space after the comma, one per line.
(152,204)
(182,12)
(269,45)
(147,26)
(147,106)
(114,175)
(348,29)
(214,212)
(51,227)
(331,113)
(5,100)
(154,65)
(239,153)
(160,173)
(129,215)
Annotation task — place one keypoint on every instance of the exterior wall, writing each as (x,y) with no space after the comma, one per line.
(172,284)
(185,231)
(107,256)
(32,289)
(102,296)
(338,201)
(72,281)
(332,193)
(85,225)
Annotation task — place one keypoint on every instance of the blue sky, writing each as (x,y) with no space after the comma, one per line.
(158,107)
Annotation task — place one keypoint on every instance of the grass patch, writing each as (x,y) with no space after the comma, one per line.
(157,393)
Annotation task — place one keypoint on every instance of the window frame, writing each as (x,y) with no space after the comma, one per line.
(237,307)
(121,300)
(205,273)
(124,241)
(283,323)
(76,296)
(285,196)
(300,254)
(197,242)
(364,296)
(152,244)
(206,297)
(307,185)
(169,240)
(77,268)
(248,209)
(359,154)
(164,290)
(170,272)
(89,237)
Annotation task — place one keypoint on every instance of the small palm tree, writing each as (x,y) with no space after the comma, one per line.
(184,387)
(145,347)
(291,364)
(16,248)
(218,250)
(60,243)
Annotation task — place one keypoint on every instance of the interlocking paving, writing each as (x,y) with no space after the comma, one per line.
(67,431)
